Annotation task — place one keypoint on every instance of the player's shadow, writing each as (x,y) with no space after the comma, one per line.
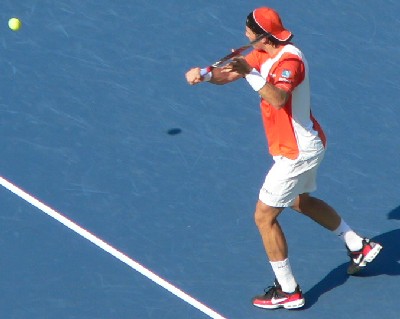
(386,263)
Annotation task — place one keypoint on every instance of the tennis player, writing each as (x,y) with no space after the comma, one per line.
(278,72)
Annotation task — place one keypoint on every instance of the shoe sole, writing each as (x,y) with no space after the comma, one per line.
(289,305)
(368,258)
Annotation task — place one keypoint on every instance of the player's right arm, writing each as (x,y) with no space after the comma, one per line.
(218,76)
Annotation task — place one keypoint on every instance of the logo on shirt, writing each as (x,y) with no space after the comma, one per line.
(286,74)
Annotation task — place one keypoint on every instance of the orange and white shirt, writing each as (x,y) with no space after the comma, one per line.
(292,130)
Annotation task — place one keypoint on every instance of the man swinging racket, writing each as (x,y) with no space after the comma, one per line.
(278,71)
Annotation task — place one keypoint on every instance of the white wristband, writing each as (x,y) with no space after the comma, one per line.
(207,77)
(255,80)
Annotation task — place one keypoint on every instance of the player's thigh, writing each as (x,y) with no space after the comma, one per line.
(286,180)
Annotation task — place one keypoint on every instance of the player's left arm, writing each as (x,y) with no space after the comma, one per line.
(274,95)
(216,76)
(289,73)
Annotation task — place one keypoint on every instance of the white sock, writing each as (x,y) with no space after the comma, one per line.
(283,273)
(351,239)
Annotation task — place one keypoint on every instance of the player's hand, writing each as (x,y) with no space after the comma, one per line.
(238,65)
(193,76)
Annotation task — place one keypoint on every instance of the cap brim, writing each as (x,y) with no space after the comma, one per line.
(283,36)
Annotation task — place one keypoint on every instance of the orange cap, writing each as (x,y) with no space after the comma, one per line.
(267,20)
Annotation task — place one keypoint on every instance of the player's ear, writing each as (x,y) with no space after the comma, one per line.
(265,40)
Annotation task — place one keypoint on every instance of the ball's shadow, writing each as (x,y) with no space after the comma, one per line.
(174,131)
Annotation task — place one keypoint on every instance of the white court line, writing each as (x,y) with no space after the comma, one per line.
(111,250)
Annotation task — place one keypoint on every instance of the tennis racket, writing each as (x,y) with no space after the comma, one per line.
(231,55)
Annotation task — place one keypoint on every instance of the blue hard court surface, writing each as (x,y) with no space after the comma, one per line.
(89,90)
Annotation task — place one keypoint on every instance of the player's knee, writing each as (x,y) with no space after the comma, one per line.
(302,202)
(264,215)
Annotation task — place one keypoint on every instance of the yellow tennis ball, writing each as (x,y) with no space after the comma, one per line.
(14,24)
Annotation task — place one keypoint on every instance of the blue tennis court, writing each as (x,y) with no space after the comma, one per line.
(99,126)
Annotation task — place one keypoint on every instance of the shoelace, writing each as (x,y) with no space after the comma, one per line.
(271,291)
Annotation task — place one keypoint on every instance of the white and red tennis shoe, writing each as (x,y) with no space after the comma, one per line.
(360,258)
(274,298)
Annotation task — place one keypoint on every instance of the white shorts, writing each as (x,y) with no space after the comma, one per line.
(289,178)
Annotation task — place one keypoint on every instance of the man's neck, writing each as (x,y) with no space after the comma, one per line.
(272,50)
